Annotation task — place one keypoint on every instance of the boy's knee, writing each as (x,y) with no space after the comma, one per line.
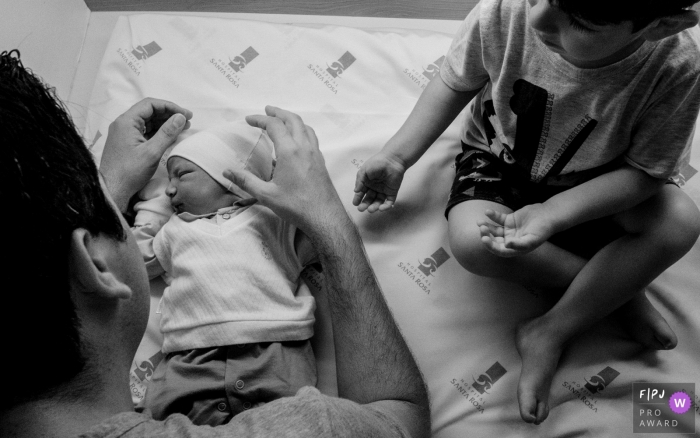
(684,223)
(675,223)
(471,254)
(465,239)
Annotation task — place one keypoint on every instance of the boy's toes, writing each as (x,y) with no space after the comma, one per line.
(542,411)
(646,325)
(667,340)
(528,407)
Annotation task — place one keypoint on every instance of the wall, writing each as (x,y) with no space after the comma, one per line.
(434,9)
(49,34)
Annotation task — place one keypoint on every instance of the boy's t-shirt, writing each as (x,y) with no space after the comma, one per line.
(557,123)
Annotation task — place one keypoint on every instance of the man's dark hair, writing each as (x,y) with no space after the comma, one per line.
(49,187)
(639,12)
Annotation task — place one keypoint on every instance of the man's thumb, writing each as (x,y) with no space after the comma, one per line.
(168,132)
(246,181)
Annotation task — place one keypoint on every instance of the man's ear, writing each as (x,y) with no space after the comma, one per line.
(670,25)
(90,270)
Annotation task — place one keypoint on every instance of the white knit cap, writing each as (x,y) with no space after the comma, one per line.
(218,148)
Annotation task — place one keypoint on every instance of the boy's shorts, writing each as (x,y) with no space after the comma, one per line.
(482,176)
(212,385)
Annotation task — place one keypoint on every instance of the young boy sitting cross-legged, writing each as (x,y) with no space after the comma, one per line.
(582,110)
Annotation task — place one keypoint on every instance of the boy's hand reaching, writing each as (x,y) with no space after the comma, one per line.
(377,183)
(516,233)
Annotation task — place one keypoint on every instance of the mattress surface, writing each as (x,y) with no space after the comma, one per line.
(355,88)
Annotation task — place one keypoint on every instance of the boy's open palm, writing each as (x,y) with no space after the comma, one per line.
(517,233)
(377,183)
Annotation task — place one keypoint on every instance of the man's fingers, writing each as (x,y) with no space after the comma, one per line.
(258,121)
(276,129)
(246,181)
(311,136)
(148,107)
(280,123)
(294,124)
(167,134)
(289,118)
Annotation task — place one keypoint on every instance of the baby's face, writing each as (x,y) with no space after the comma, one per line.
(192,190)
(583,44)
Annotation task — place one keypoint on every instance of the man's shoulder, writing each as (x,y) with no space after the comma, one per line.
(309,413)
(133,424)
(119,425)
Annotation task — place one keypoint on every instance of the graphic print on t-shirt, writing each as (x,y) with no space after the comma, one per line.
(533,107)
(494,134)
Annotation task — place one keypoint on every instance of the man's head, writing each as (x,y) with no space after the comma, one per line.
(53,198)
(196,166)
(593,33)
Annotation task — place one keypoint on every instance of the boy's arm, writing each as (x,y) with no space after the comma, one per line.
(524,230)
(436,108)
(379,178)
(608,194)
(462,76)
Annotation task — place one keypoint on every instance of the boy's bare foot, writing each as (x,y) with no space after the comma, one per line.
(645,324)
(540,353)
(639,318)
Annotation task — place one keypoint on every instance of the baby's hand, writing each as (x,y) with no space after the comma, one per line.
(377,183)
(517,233)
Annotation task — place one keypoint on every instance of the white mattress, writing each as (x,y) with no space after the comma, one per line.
(459,326)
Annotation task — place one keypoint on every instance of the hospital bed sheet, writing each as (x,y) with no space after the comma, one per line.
(355,87)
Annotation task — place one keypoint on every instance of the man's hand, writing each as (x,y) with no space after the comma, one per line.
(377,183)
(135,144)
(300,190)
(517,233)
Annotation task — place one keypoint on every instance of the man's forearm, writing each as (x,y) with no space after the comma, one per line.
(373,361)
(120,194)
(608,194)
(373,364)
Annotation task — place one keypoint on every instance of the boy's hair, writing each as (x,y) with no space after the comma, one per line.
(639,12)
(49,187)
